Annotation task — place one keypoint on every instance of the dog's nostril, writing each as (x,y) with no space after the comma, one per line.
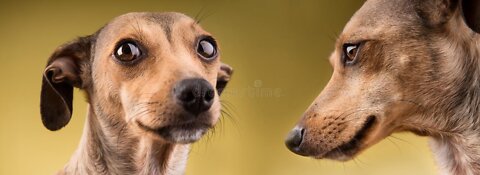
(187,96)
(209,95)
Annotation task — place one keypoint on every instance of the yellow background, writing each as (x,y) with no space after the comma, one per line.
(279,49)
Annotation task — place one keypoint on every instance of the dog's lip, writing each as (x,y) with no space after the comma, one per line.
(162,130)
(352,147)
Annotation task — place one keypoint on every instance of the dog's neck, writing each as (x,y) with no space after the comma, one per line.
(457,155)
(110,148)
(455,123)
(458,150)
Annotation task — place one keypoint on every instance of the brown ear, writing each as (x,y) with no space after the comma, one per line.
(61,74)
(436,12)
(223,77)
(471,14)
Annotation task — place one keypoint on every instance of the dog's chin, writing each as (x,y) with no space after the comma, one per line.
(186,133)
(341,153)
(178,133)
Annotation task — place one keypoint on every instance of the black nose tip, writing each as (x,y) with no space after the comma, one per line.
(294,139)
(195,95)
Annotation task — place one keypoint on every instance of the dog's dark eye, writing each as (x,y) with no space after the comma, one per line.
(127,51)
(207,48)
(350,52)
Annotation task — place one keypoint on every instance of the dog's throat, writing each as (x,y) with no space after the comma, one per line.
(116,151)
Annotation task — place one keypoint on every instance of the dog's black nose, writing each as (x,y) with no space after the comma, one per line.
(294,139)
(195,95)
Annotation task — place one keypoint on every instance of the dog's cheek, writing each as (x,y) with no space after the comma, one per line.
(133,104)
(393,108)
(216,111)
(104,80)
(127,102)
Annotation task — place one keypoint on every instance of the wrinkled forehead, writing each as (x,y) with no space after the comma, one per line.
(380,17)
(137,25)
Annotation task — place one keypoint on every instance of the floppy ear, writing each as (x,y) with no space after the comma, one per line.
(223,77)
(61,74)
(471,14)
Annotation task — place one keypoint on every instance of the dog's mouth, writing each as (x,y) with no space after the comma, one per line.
(300,142)
(348,150)
(183,133)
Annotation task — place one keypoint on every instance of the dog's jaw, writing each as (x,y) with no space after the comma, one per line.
(339,143)
(356,144)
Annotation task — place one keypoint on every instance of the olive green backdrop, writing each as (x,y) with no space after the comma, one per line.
(279,49)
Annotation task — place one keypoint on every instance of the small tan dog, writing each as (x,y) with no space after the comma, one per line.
(401,65)
(149,80)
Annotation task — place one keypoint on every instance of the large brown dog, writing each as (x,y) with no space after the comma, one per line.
(401,65)
(149,80)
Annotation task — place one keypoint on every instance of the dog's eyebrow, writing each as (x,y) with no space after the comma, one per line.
(166,20)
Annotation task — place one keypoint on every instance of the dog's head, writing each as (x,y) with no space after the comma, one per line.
(395,64)
(158,72)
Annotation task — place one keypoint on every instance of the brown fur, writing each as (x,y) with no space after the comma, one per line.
(127,103)
(416,70)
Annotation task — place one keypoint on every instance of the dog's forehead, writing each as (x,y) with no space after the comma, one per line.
(133,23)
(165,19)
(378,17)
